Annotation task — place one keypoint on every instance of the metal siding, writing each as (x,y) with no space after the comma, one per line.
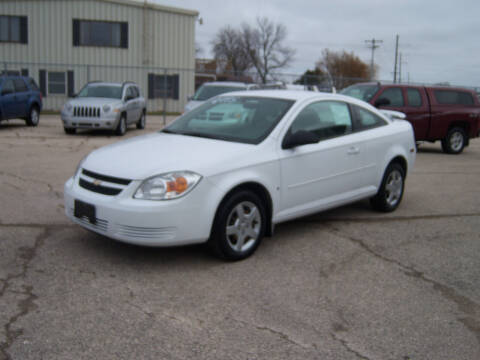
(170,44)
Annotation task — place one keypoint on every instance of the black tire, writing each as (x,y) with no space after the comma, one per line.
(142,121)
(33,117)
(121,126)
(69,131)
(246,231)
(390,193)
(455,141)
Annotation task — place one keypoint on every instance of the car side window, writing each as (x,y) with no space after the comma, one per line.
(8,87)
(136,91)
(365,119)
(20,85)
(129,92)
(413,97)
(326,119)
(394,95)
(452,97)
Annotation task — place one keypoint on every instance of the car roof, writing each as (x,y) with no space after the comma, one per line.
(226,83)
(434,87)
(290,95)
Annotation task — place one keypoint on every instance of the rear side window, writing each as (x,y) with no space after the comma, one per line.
(452,97)
(414,98)
(365,119)
(20,85)
(394,95)
(8,87)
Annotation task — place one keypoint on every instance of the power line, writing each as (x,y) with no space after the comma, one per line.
(372,44)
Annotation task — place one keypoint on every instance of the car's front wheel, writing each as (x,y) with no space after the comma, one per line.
(390,193)
(33,116)
(122,126)
(455,141)
(239,226)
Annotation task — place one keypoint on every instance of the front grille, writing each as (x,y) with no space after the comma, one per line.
(100,224)
(102,184)
(86,111)
(99,188)
(165,233)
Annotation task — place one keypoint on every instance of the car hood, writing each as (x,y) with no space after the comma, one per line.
(93,101)
(144,156)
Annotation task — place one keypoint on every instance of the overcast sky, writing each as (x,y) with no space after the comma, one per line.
(439,39)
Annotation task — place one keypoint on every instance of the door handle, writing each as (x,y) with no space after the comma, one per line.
(353,150)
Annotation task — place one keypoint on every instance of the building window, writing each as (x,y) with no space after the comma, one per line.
(56,82)
(13,29)
(163,86)
(100,33)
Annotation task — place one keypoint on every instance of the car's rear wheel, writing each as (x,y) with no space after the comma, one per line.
(455,141)
(122,126)
(33,117)
(239,226)
(141,122)
(69,131)
(390,193)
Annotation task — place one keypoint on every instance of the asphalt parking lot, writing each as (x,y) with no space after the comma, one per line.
(344,284)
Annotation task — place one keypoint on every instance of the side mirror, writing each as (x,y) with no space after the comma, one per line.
(299,138)
(382,102)
(128,98)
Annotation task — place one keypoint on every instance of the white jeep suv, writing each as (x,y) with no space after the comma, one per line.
(103,105)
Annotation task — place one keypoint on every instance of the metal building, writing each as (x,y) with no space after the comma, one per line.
(62,44)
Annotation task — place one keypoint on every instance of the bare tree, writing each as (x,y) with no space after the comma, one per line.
(229,51)
(344,68)
(264,47)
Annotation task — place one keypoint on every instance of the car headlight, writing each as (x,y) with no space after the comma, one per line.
(167,186)
(67,107)
(106,108)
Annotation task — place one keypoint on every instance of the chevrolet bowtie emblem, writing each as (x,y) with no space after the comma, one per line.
(97,182)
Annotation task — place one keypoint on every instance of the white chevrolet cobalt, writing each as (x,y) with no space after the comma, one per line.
(226,172)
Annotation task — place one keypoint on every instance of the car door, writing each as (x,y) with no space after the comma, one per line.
(130,105)
(8,98)
(21,97)
(327,173)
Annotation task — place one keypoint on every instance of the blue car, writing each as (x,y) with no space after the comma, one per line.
(21,98)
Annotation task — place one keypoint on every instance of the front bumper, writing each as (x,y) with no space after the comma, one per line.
(182,221)
(108,122)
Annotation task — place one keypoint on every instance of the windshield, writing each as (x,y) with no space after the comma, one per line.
(208,91)
(232,118)
(361,92)
(102,91)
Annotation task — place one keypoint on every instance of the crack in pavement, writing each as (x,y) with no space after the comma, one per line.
(464,304)
(26,254)
(347,347)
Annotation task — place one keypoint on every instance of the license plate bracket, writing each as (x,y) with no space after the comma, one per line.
(84,210)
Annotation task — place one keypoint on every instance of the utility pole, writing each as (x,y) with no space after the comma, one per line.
(396,58)
(400,69)
(372,44)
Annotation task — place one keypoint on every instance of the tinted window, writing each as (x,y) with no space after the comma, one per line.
(20,85)
(232,118)
(361,92)
(452,97)
(365,119)
(414,97)
(325,118)
(33,84)
(8,86)
(208,91)
(394,95)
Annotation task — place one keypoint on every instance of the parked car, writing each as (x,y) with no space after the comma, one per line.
(21,98)
(104,105)
(214,88)
(451,115)
(227,172)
